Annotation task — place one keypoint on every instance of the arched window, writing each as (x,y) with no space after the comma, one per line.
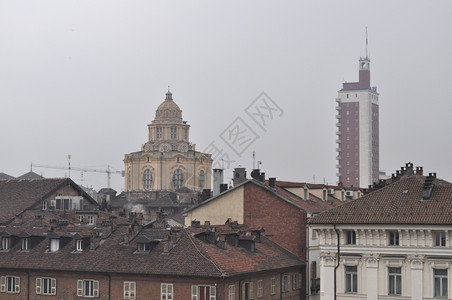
(147,179)
(178,179)
(202,179)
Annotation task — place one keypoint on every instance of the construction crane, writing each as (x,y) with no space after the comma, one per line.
(69,168)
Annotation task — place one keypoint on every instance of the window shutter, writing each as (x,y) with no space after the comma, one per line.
(95,288)
(132,290)
(251,290)
(213,292)
(3,285)
(126,290)
(170,292)
(38,286)
(53,286)
(80,288)
(194,292)
(17,286)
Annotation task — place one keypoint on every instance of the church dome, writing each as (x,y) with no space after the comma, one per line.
(168,111)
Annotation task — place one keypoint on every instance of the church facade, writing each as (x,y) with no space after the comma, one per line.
(168,161)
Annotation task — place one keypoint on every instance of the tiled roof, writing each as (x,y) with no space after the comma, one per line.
(16,195)
(398,203)
(174,252)
(5,176)
(30,175)
(313,205)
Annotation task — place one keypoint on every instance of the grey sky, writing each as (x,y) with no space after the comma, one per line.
(85,77)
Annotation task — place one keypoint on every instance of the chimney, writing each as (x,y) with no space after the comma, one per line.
(223,187)
(239,176)
(428,186)
(262,177)
(409,168)
(217,181)
(205,194)
(419,171)
(272,182)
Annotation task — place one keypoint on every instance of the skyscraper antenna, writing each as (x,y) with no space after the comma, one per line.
(366,42)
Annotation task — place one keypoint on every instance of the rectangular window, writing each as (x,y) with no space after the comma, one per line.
(10,284)
(393,238)
(440,239)
(54,245)
(166,292)
(46,286)
(91,220)
(440,281)
(79,245)
(285,283)
(63,204)
(231,292)
(247,291)
(203,292)
(159,132)
(88,288)
(129,290)
(351,279)
(296,281)
(80,219)
(173,132)
(273,286)
(25,244)
(395,281)
(351,237)
(260,288)
(6,243)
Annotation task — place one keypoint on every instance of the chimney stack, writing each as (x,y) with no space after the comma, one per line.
(239,176)
(223,187)
(217,181)
(272,182)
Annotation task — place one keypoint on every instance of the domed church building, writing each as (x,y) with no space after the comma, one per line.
(168,161)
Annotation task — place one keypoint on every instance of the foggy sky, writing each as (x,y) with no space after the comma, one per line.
(85,78)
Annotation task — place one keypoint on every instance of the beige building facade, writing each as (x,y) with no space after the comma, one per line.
(168,161)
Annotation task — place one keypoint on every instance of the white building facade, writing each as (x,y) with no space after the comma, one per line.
(395,242)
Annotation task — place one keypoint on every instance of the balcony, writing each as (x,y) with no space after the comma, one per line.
(338,108)
(338,157)
(338,116)
(338,141)
(338,124)
(338,149)
(338,132)
(338,166)
(338,100)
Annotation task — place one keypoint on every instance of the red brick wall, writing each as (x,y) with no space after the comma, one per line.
(283,223)
(148,287)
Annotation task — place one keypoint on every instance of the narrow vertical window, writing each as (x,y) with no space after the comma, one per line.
(351,237)
(273,286)
(393,238)
(440,239)
(351,279)
(260,288)
(173,132)
(202,179)
(147,179)
(395,281)
(158,132)
(440,281)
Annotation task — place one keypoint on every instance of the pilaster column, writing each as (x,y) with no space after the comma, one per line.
(327,265)
(372,276)
(417,267)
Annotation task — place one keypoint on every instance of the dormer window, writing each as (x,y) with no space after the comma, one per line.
(143,247)
(54,242)
(54,245)
(79,245)
(143,244)
(25,244)
(44,205)
(6,243)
